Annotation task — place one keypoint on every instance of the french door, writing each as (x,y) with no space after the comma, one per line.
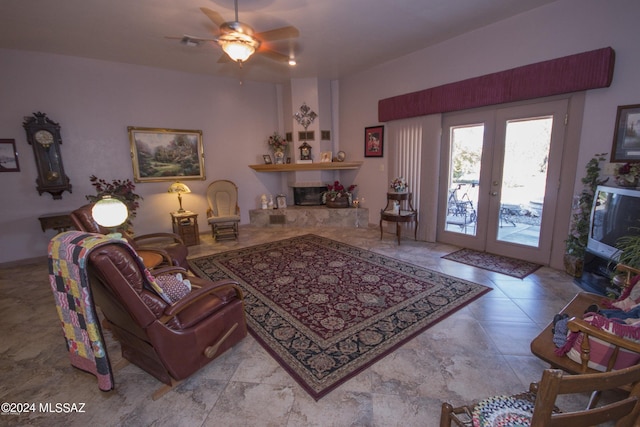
(501,167)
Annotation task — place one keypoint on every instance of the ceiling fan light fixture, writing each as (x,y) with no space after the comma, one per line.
(237,50)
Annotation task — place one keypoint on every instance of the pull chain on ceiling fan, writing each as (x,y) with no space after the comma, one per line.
(239,41)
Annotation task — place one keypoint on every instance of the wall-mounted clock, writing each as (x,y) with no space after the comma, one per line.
(43,134)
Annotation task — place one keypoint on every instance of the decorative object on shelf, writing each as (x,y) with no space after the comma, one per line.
(118,189)
(399,185)
(267,159)
(270,205)
(281,201)
(576,243)
(627,175)
(337,196)
(8,156)
(325,157)
(279,146)
(166,154)
(627,134)
(263,201)
(341,156)
(180,188)
(373,141)
(305,152)
(43,134)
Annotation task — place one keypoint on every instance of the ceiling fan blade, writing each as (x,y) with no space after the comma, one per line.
(273,55)
(278,34)
(214,16)
(191,41)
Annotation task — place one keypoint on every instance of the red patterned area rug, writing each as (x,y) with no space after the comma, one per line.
(496,263)
(326,310)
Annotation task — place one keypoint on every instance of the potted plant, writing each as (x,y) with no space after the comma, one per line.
(120,189)
(337,196)
(576,243)
(629,247)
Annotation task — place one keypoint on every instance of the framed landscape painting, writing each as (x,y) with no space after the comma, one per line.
(8,156)
(166,154)
(626,137)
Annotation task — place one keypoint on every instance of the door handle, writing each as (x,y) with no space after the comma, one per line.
(494,193)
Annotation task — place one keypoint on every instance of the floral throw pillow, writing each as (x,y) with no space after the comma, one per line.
(171,288)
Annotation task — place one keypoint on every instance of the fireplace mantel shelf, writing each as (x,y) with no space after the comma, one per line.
(292,167)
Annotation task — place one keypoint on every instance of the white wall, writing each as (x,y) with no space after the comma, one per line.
(562,28)
(94,102)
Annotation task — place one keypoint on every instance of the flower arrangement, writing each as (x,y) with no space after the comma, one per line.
(399,184)
(628,173)
(120,189)
(337,191)
(277,142)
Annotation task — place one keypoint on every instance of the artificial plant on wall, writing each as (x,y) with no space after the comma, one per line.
(576,243)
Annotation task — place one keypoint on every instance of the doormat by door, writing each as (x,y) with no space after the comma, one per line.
(496,263)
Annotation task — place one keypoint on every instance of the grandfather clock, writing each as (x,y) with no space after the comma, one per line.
(43,134)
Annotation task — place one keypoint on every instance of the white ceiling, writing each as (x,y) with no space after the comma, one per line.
(337,37)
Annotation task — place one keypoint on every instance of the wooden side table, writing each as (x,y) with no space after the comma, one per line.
(57,221)
(185,225)
(405,213)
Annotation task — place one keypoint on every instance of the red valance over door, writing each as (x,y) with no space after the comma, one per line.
(588,70)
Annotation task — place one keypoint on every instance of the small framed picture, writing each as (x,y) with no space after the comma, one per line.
(626,137)
(288,160)
(8,156)
(267,159)
(281,201)
(325,157)
(373,141)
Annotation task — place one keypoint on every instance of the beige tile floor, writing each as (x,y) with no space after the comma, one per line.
(478,351)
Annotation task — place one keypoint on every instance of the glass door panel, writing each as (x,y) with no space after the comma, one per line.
(524,177)
(466,144)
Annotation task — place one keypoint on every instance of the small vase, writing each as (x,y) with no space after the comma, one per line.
(279,156)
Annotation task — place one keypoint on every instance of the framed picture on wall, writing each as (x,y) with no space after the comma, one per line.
(374,141)
(8,156)
(166,154)
(626,137)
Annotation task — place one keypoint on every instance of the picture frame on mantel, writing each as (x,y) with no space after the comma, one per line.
(626,137)
(374,141)
(8,156)
(154,150)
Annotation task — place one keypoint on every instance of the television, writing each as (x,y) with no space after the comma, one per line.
(615,213)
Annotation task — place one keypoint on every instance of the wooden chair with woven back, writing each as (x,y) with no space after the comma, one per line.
(539,406)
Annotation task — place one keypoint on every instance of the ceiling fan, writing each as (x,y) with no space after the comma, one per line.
(239,41)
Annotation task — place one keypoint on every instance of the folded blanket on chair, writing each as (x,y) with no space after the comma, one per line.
(68,253)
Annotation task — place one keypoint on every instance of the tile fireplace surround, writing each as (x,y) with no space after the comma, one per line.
(310,216)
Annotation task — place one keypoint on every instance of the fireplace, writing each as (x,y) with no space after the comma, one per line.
(308,195)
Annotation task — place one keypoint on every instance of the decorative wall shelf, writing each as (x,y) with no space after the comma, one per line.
(293,167)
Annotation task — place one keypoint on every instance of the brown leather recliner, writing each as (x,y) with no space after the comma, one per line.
(169,341)
(173,253)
